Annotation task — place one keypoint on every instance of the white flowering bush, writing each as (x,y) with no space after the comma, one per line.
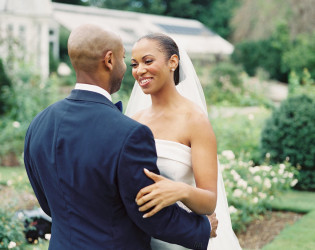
(11,230)
(250,188)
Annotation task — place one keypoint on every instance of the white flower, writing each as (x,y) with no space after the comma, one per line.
(9,182)
(20,215)
(255,200)
(275,179)
(236,176)
(262,195)
(228,154)
(253,170)
(268,155)
(47,236)
(281,171)
(272,173)
(12,244)
(237,193)
(16,124)
(251,117)
(272,197)
(265,168)
(282,166)
(257,178)
(290,175)
(249,190)
(63,69)
(242,183)
(267,183)
(232,209)
(293,183)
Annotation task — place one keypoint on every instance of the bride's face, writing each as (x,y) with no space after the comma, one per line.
(150,67)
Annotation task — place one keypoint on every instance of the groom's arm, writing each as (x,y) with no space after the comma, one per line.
(171,224)
(34,176)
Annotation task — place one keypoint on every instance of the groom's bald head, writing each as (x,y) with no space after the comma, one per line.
(88,44)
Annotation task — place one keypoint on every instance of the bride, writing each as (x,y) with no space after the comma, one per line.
(168,98)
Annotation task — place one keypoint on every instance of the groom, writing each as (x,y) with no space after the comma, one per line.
(85,161)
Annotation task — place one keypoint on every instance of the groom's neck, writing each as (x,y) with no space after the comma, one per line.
(93,79)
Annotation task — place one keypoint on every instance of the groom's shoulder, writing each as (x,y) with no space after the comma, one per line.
(131,126)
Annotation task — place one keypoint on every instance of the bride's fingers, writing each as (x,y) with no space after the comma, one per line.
(153,211)
(146,198)
(148,205)
(144,191)
(153,176)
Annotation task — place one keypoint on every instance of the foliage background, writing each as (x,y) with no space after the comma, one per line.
(274,41)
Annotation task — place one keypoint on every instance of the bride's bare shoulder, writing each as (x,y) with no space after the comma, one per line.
(194,110)
(140,115)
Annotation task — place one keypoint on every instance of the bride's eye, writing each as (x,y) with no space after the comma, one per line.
(148,61)
(133,65)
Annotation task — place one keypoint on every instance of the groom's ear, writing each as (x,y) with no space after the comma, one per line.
(173,61)
(108,60)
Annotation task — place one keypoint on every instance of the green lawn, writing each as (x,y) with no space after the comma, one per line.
(295,201)
(301,235)
(15,177)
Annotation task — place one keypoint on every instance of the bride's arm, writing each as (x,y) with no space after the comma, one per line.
(200,199)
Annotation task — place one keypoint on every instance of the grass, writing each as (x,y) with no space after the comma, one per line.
(15,177)
(241,126)
(301,234)
(295,201)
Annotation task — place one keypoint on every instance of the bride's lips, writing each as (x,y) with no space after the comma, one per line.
(144,81)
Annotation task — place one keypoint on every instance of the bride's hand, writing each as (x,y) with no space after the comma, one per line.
(162,193)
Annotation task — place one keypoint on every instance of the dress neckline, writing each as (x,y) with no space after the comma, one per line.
(174,143)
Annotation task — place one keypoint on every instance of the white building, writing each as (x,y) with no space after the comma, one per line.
(192,35)
(34,24)
(28,30)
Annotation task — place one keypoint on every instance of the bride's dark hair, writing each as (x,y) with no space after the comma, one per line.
(169,48)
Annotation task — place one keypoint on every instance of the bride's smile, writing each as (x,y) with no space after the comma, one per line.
(145,81)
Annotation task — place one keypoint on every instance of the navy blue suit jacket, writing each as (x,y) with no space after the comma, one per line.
(85,162)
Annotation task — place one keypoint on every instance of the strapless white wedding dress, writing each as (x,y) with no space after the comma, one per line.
(174,162)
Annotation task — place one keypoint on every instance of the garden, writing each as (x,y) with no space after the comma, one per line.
(266,147)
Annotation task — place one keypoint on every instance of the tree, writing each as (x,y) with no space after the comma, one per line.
(4,81)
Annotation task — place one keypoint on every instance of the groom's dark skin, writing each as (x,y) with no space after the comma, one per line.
(99,61)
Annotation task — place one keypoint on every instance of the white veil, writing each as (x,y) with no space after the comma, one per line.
(190,87)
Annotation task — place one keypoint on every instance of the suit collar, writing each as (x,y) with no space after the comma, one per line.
(84,95)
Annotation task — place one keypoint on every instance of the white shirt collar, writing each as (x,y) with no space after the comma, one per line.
(93,88)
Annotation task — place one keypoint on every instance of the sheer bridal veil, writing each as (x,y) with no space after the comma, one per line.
(190,87)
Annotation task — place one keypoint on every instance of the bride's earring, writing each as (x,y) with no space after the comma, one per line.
(173,70)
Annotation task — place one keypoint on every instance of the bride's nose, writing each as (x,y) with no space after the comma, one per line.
(141,69)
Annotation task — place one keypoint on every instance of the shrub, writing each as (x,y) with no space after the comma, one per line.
(26,97)
(290,134)
(229,86)
(266,54)
(4,81)
(11,230)
(303,84)
(301,54)
(243,129)
(250,188)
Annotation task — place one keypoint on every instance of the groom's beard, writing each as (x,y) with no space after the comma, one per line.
(115,86)
(116,79)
